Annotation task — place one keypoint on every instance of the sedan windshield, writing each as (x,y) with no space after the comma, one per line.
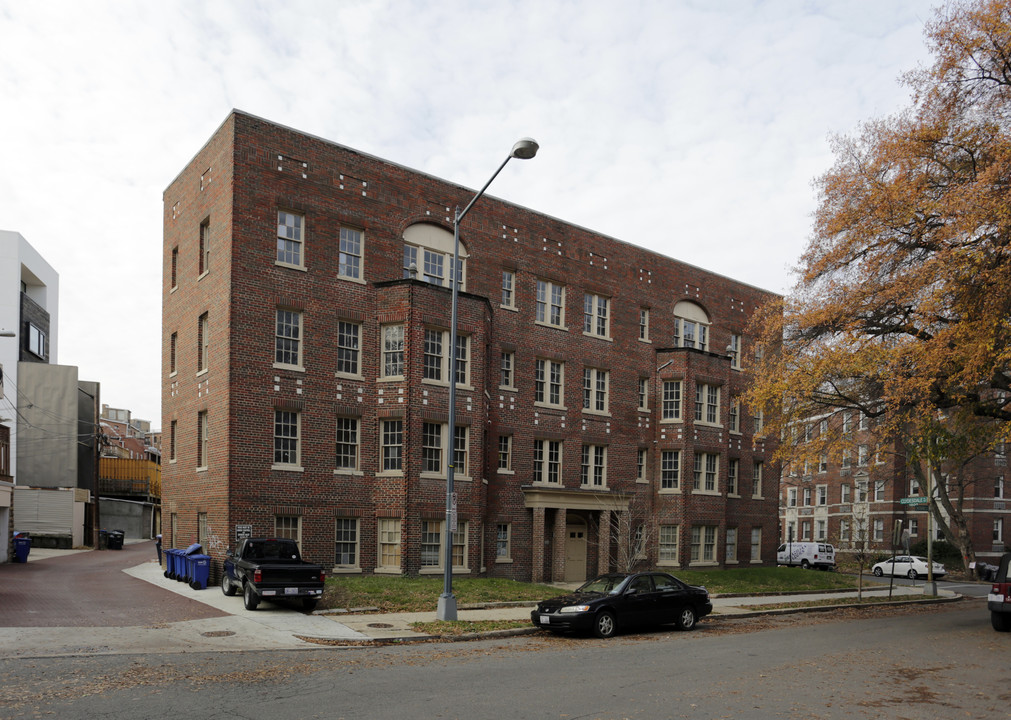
(607,585)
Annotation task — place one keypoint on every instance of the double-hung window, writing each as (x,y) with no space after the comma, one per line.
(349,339)
(595,392)
(288,338)
(706,470)
(346,543)
(670,408)
(547,461)
(670,469)
(644,324)
(508,289)
(203,342)
(549,382)
(595,315)
(436,360)
(668,545)
(507,369)
(643,393)
(286,438)
(392,445)
(550,303)
(290,229)
(350,262)
(505,453)
(733,469)
(205,247)
(347,444)
(393,351)
(707,404)
(593,469)
(735,351)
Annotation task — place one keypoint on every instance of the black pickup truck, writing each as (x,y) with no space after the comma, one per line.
(271,568)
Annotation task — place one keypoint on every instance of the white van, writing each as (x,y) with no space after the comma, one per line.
(807,555)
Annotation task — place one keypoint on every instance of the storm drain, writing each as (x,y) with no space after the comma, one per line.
(379,625)
(218,633)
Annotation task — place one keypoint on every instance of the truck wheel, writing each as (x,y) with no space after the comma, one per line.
(1001,621)
(226,586)
(249,597)
(309,604)
(805,564)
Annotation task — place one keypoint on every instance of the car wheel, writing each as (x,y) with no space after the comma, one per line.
(249,597)
(878,572)
(1001,621)
(805,564)
(309,604)
(687,618)
(604,626)
(912,574)
(226,585)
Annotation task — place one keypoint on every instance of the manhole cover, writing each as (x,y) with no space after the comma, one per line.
(380,625)
(218,633)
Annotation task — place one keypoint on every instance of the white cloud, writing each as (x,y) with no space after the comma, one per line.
(692,128)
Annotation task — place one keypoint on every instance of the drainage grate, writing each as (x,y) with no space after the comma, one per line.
(380,625)
(218,633)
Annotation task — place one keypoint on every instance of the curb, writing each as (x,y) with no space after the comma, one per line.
(415,639)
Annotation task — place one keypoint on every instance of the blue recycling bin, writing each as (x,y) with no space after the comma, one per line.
(171,555)
(199,570)
(186,569)
(22,546)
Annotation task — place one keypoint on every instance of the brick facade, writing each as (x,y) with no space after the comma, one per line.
(519,523)
(847,500)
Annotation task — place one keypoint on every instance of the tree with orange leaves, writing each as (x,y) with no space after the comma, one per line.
(902,310)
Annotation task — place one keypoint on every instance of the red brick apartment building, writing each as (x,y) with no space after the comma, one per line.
(857,496)
(305,385)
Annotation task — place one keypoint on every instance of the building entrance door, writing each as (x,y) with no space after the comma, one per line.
(575,551)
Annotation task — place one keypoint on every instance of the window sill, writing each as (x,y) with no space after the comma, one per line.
(703,563)
(290,368)
(668,563)
(507,388)
(202,372)
(348,278)
(510,308)
(605,338)
(700,423)
(543,324)
(671,421)
(172,461)
(390,473)
(346,571)
(647,341)
(546,406)
(502,471)
(669,491)
(390,378)
(287,468)
(711,493)
(202,275)
(594,488)
(442,476)
(202,468)
(440,571)
(758,497)
(173,373)
(597,413)
(348,376)
(387,571)
(345,471)
(445,384)
(503,561)
(300,268)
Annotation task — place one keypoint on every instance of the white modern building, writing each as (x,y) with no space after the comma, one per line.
(29,302)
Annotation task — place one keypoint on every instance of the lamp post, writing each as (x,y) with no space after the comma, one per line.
(524,149)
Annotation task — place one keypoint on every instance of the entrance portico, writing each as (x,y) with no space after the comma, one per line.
(567,513)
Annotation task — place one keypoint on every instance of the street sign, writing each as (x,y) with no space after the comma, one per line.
(913,501)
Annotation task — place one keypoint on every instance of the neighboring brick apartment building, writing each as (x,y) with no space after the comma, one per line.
(857,496)
(305,327)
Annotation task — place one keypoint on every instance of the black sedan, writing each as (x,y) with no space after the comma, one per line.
(624,600)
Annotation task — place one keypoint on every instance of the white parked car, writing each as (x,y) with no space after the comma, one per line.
(911,566)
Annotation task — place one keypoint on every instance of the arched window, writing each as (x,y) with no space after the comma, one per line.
(428,255)
(691,326)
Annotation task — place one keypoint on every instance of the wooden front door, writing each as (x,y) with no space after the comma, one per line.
(575,551)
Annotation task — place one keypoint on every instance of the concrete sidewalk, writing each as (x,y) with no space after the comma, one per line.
(284,627)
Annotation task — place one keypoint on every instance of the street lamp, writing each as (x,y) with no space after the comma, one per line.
(524,149)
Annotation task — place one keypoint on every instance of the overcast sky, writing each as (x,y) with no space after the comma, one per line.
(692,128)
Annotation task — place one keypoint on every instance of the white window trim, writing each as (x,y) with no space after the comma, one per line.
(546,403)
(444,359)
(299,366)
(297,465)
(339,373)
(680,413)
(301,242)
(463,531)
(595,374)
(547,322)
(361,255)
(458,473)
(594,317)
(356,567)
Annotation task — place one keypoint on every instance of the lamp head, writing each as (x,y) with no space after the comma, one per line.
(524,149)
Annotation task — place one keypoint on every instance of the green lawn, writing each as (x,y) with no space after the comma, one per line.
(403,594)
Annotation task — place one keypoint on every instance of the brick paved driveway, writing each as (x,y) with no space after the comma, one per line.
(90,589)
